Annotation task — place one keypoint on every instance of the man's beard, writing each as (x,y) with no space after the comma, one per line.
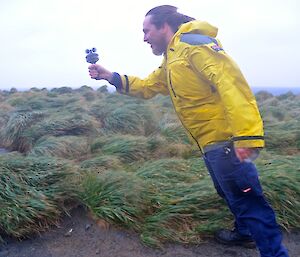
(159,48)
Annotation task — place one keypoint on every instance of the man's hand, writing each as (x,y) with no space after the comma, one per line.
(246,154)
(98,72)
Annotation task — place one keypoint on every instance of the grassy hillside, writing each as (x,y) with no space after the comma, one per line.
(130,162)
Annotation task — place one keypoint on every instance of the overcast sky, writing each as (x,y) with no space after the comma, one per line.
(43,42)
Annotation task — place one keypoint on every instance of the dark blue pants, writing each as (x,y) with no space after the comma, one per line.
(237,182)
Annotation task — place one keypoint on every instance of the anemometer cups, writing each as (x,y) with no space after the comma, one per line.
(91,57)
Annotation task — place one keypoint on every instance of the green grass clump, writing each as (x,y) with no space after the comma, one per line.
(117,197)
(187,206)
(33,193)
(130,119)
(168,171)
(131,162)
(280,177)
(128,148)
(67,147)
(102,162)
(12,135)
(171,128)
(62,124)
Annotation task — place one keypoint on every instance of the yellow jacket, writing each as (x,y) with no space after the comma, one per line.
(209,93)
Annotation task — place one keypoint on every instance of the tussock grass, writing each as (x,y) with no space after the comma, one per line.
(33,193)
(12,135)
(125,115)
(130,119)
(128,148)
(186,205)
(171,128)
(102,162)
(117,197)
(63,124)
(131,162)
(5,111)
(169,171)
(282,122)
(67,147)
(186,215)
(280,178)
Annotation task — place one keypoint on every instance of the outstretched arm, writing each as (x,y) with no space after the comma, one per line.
(98,72)
(131,85)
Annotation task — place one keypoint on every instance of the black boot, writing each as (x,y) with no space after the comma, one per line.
(232,237)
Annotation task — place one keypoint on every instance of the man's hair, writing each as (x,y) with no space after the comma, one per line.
(167,14)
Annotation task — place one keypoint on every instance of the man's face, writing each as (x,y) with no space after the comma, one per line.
(155,37)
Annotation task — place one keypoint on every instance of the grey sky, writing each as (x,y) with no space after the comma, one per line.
(43,41)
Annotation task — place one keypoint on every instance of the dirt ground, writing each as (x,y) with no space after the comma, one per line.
(80,236)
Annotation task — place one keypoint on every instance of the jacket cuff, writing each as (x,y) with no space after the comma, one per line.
(116,81)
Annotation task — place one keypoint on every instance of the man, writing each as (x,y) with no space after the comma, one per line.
(219,112)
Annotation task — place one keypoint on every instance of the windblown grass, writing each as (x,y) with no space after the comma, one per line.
(117,197)
(136,165)
(186,204)
(280,178)
(63,124)
(33,193)
(130,119)
(67,147)
(12,135)
(171,128)
(102,162)
(128,148)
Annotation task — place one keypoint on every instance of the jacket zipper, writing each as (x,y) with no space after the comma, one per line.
(174,93)
(181,120)
(170,81)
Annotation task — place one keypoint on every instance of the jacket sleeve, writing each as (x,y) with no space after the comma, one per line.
(146,88)
(240,107)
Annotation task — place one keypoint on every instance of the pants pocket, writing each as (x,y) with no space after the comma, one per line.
(248,183)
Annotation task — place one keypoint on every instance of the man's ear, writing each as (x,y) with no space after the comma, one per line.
(166,27)
(168,32)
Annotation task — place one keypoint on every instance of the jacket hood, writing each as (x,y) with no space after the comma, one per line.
(198,27)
